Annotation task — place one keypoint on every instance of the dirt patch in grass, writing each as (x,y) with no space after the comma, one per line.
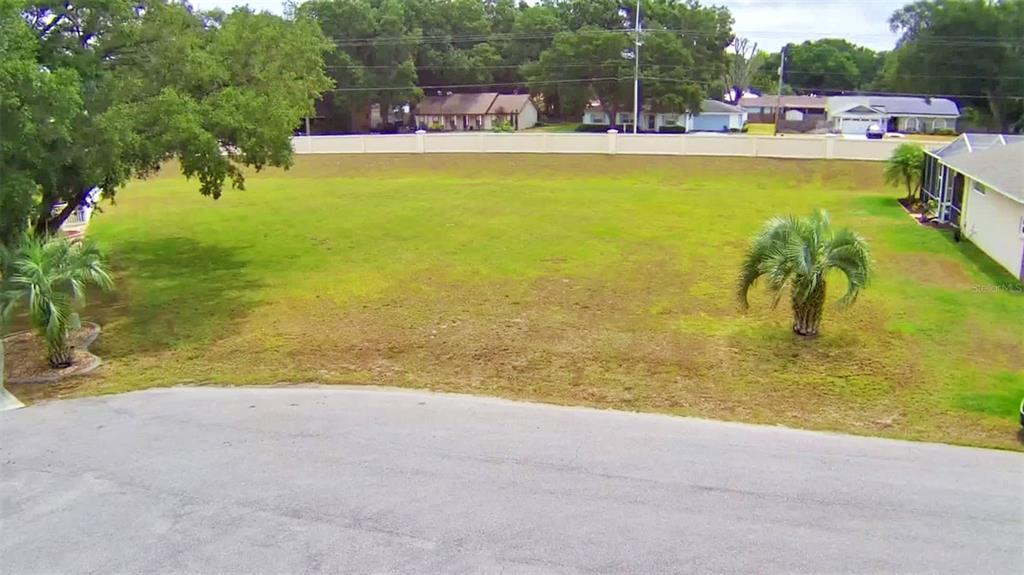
(25,357)
(932,269)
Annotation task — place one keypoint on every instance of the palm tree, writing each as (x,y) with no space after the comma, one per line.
(51,274)
(906,167)
(798,253)
(7,401)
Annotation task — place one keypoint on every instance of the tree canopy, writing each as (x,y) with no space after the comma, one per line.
(99,91)
(972,50)
(825,66)
(563,51)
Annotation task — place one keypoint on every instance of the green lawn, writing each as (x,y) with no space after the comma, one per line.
(761,129)
(595,280)
(561,127)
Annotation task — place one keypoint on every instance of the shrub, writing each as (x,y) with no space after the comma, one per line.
(734,130)
(672,130)
(944,132)
(502,126)
(435,127)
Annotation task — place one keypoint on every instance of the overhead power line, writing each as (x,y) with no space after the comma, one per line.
(841,91)
(789,71)
(961,41)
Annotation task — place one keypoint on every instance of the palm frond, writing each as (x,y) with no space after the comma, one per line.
(850,254)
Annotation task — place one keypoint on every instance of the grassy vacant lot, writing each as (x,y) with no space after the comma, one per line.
(761,129)
(605,281)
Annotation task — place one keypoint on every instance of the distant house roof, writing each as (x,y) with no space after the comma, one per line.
(859,109)
(706,107)
(908,106)
(995,160)
(509,103)
(896,105)
(470,104)
(716,107)
(805,102)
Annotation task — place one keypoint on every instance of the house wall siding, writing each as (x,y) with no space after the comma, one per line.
(924,123)
(992,222)
(528,117)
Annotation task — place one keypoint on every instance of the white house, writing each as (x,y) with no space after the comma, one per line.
(977,184)
(853,114)
(714,116)
(469,112)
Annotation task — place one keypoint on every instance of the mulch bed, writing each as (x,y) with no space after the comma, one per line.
(25,356)
(914,211)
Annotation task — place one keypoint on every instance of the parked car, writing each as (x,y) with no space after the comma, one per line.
(875,132)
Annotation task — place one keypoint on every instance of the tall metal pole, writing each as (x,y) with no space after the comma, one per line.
(636,71)
(778,101)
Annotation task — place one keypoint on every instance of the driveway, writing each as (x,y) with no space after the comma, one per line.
(365,480)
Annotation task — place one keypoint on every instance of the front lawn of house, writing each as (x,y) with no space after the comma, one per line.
(595,280)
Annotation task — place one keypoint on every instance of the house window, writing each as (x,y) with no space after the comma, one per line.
(671,119)
(624,118)
(939,124)
(978,188)
(598,118)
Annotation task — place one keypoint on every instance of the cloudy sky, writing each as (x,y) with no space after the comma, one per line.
(770,23)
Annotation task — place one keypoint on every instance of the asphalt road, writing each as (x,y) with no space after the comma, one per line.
(343,480)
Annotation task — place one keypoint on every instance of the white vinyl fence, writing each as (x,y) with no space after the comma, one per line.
(797,147)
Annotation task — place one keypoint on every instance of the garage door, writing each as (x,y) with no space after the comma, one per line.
(857,125)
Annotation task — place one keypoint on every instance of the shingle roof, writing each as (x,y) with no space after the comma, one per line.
(968,143)
(706,107)
(1000,167)
(809,102)
(896,105)
(431,106)
(509,103)
(908,106)
(716,107)
(456,104)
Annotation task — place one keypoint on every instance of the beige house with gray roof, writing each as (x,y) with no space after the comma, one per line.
(475,112)
(977,184)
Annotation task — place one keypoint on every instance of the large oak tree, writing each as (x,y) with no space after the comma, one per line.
(95,92)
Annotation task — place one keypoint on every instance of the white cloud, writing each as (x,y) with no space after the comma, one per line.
(774,23)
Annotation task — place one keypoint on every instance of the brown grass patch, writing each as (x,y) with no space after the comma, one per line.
(932,269)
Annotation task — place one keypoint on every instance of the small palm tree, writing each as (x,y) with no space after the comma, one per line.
(798,253)
(51,274)
(905,167)
(6,303)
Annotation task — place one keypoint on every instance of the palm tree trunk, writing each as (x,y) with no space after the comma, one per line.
(59,353)
(807,313)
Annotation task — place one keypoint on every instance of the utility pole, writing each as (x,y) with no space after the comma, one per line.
(636,71)
(778,101)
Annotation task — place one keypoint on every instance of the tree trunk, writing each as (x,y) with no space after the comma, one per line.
(996,109)
(59,352)
(48,223)
(807,313)
(3,370)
